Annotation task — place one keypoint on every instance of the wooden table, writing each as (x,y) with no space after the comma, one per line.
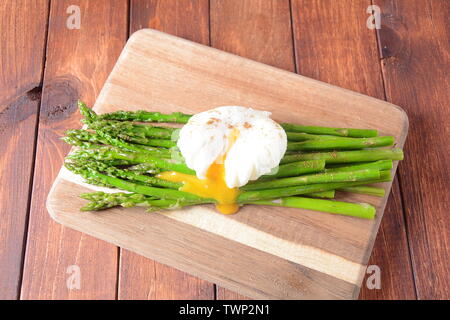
(46,66)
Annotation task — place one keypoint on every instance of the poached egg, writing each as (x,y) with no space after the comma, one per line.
(227,147)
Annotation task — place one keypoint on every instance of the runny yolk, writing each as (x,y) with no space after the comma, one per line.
(214,186)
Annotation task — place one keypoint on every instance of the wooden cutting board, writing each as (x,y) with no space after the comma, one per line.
(260,252)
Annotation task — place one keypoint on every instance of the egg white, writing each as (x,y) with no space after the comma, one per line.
(258,149)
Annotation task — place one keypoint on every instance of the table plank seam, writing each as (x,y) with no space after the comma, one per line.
(35,93)
(400,185)
(408,239)
(215,286)
(294,49)
(119,249)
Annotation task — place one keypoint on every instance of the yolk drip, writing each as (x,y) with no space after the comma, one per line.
(214,186)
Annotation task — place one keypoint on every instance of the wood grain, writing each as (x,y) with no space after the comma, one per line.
(140,277)
(333,44)
(255,29)
(258,30)
(188,19)
(78,62)
(324,254)
(22,42)
(23,25)
(414,42)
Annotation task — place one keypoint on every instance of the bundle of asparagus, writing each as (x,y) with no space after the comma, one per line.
(118,151)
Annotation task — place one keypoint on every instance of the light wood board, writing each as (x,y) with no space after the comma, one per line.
(260,252)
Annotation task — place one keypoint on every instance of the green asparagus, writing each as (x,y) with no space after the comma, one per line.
(324,194)
(343,132)
(371,191)
(133,130)
(145,116)
(341,143)
(296,168)
(380,165)
(302,189)
(101,200)
(88,113)
(362,210)
(127,174)
(347,156)
(133,157)
(345,176)
(119,153)
(300,136)
(162,193)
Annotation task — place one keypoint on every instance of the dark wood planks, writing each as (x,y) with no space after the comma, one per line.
(78,62)
(414,41)
(333,44)
(188,19)
(23,24)
(255,29)
(22,42)
(406,80)
(142,278)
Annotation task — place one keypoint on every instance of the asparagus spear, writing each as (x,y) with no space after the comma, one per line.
(152,142)
(133,132)
(341,143)
(380,165)
(87,136)
(117,142)
(87,139)
(134,187)
(371,191)
(300,136)
(144,168)
(345,176)
(106,153)
(101,200)
(317,142)
(145,116)
(79,143)
(324,194)
(178,117)
(343,132)
(118,162)
(347,156)
(127,174)
(88,113)
(303,189)
(143,142)
(362,210)
(131,129)
(296,168)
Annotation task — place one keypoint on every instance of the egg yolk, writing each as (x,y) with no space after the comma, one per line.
(214,186)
